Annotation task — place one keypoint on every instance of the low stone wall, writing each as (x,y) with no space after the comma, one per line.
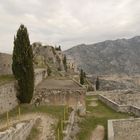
(70,97)
(135,110)
(8,98)
(19,132)
(122,129)
(108,102)
(120,108)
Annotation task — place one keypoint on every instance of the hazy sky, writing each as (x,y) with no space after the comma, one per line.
(68,22)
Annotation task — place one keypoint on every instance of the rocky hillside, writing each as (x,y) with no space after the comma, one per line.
(46,56)
(120,56)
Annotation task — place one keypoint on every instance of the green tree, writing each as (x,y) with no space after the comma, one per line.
(49,70)
(65,63)
(84,74)
(59,48)
(22,65)
(81,77)
(97,83)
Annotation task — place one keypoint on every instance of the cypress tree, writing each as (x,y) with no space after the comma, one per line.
(65,63)
(97,83)
(22,65)
(81,77)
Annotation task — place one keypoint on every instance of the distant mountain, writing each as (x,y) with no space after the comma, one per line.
(121,56)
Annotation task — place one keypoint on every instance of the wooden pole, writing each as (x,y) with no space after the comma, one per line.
(58,136)
(19,112)
(61,125)
(7,116)
(64,113)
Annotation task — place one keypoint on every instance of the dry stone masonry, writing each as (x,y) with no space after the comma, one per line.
(8,98)
(123,101)
(60,92)
(124,129)
(18,132)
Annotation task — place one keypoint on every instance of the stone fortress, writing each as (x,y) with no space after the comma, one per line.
(44,57)
(55,91)
(50,91)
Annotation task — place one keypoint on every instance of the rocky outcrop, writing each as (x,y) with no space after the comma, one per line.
(47,56)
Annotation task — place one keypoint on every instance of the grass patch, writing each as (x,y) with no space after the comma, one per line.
(34,134)
(6,78)
(55,111)
(97,116)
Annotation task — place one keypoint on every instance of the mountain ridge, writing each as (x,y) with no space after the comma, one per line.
(120,56)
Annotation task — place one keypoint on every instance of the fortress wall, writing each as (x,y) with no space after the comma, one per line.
(8,98)
(70,97)
(8,92)
(40,74)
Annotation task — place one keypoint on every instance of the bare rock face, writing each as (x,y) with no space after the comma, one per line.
(108,57)
(47,55)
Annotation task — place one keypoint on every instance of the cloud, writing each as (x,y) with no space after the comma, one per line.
(68,22)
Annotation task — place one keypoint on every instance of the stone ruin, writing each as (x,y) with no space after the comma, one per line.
(128,102)
(124,129)
(19,131)
(61,92)
(124,97)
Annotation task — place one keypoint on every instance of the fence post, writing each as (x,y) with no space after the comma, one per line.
(58,136)
(19,112)
(7,116)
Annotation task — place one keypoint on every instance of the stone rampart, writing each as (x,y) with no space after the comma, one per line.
(8,99)
(70,97)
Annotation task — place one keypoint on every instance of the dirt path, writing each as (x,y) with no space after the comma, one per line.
(46,124)
(98,133)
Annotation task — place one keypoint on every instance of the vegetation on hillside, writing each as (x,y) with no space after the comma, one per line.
(82,81)
(97,84)
(6,78)
(23,65)
(65,63)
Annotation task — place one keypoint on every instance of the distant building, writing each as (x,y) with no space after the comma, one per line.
(71,65)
